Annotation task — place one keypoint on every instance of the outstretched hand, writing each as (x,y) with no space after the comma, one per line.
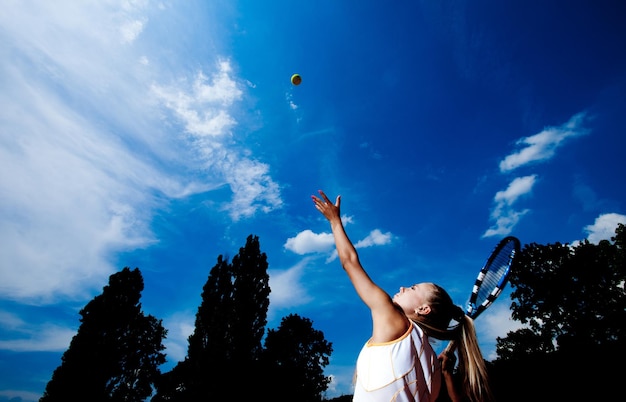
(326,207)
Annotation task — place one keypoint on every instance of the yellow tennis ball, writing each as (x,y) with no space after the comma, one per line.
(296,79)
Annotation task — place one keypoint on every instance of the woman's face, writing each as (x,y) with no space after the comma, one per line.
(413,300)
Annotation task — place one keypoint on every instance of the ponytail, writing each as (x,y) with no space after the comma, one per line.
(472,367)
(462,337)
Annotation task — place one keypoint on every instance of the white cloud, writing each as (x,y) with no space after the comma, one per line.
(10,321)
(505,221)
(542,146)
(537,148)
(203,110)
(131,30)
(179,327)
(375,238)
(14,395)
(341,380)
(48,338)
(604,227)
(503,214)
(253,188)
(73,190)
(307,242)
(517,188)
(203,107)
(33,337)
(86,150)
(287,287)
(495,322)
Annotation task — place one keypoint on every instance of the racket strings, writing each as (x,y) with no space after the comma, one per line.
(491,279)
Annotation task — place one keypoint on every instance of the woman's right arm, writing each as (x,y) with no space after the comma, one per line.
(448,361)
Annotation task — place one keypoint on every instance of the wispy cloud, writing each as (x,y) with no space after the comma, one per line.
(542,146)
(341,379)
(14,395)
(495,322)
(503,214)
(72,189)
(179,327)
(534,149)
(33,337)
(287,287)
(203,109)
(98,130)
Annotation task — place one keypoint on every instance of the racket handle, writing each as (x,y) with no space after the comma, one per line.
(450,348)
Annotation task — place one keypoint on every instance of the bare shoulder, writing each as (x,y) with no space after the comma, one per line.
(389,324)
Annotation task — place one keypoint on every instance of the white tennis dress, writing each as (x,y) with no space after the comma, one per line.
(404,370)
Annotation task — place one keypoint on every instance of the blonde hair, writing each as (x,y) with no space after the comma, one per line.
(472,367)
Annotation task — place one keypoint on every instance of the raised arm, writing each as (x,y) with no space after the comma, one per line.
(388,321)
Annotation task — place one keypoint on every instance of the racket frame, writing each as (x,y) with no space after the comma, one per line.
(473,310)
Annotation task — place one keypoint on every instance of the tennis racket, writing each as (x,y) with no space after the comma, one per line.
(493,277)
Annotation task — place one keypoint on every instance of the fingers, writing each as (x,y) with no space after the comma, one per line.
(323,202)
(448,361)
(319,203)
(324,197)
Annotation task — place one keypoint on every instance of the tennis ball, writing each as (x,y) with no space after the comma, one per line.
(296,79)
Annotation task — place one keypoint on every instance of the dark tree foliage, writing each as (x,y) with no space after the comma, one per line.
(295,356)
(573,301)
(225,347)
(117,350)
(523,343)
(251,291)
(572,295)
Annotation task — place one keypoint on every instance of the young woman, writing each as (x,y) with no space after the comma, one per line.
(398,363)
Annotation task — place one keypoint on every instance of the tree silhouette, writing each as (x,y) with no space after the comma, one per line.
(572,295)
(295,356)
(117,350)
(573,301)
(230,323)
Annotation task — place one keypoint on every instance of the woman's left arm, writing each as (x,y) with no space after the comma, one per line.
(389,322)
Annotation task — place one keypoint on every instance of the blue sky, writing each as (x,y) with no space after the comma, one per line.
(160,134)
